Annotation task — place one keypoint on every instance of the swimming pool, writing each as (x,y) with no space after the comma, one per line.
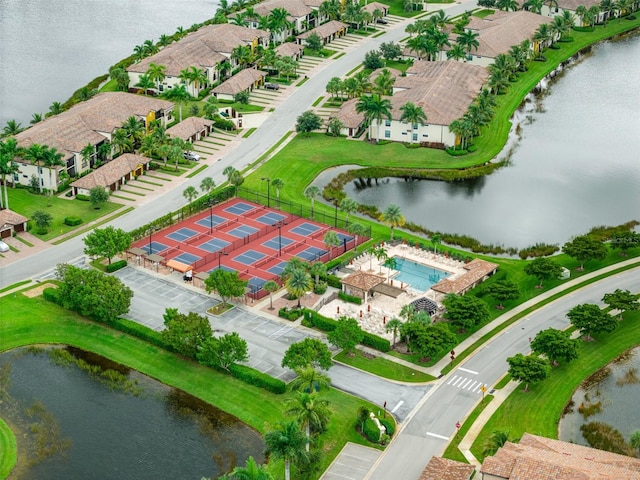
(419,276)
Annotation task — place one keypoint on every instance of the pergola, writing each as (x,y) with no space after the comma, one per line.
(361,284)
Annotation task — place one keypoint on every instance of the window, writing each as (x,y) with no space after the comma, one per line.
(404,133)
(387,123)
(415,137)
(16,177)
(415,126)
(387,134)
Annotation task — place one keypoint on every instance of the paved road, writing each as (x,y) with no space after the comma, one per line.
(431,426)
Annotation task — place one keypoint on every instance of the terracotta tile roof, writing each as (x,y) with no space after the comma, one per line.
(444,90)
(500,31)
(9,218)
(111,172)
(348,115)
(313,3)
(363,280)
(240,82)
(289,49)
(188,127)
(444,469)
(539,458)
(370,7)
(295,8)
(73,129)
(476,270)
(325,30)
(574,4)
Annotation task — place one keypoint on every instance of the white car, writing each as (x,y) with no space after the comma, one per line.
(3,247)
(191,156)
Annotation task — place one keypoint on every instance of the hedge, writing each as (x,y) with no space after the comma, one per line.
(83,198)
(139,331)
(374,341)
(290,313)
(51,294)
(112,267)
(72,221)
(258,379)
(371,430)
(389,425)
(320,288)
(349,298)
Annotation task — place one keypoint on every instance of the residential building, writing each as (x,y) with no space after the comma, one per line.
(327,32)
(300,15)
(191,129)
(290,49)
(11,222)
(113,174)
(87,123)
(351,120)
(244,81)
(444,469)
(557,7)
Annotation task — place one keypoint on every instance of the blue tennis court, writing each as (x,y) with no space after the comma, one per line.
(214,245)
(343,237)
(256,283)
(271,218)
(239,208)
(182,234)
(242,231)
(311,253)
(305,229)
(187,258)
(156,247)
(276,242)
(277,269)
(249,257)
(211,221)
(223,267)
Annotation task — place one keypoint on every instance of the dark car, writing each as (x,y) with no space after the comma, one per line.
(191,156)
(383,21)
(272,86)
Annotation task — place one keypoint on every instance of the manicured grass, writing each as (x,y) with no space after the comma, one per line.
(104,220)
(25,203)
(304,80)
(379,34)
(15,285)
(249,132)
(384,368)
(317,102)
(545,401)
(36,321)
(341,54)
(483,13)
(149,182)
(452,451)
(8,450)
(241,107)
(401,65)
(324,53)
(197,171)
(20,239)
(395,8)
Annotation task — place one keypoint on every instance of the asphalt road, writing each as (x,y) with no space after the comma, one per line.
(432,425)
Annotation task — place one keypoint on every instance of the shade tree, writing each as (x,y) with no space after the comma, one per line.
(585,248)
(392,216)
(310,352)
(428,340)
(185,333)
(225,283)
(622,300)
(590,319)
(465,311)
(222,352)
(528,369)
(106,242)
(346,335)
(502,291)
(307,122)
(543,269)
(555,345)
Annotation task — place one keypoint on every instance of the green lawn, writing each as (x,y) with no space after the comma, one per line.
(8,450)
(384,368)
(401,65)
(546,400)
(36,321)
(25,203)
(452,451)
(483,13)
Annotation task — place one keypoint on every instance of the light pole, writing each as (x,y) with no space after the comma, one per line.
(210,216)
(280,224)
(220,258)
(151,230)
(268,190)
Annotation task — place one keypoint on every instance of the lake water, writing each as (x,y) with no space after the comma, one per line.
(105,434)
(575,167)
(616,390)
(50,48)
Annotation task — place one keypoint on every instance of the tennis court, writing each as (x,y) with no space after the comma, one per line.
(249,257)
(213,245)
(242,231)
(182,234)
(311,253)
(271,218)
(186,258)
(211,221)
(277,269)
(305,229)
(276,243)
(344,237)
(239,208)
(256,283)
(154,247)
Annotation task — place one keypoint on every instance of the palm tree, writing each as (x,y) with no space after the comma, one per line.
(271,286)
(251,471)
(353,14)
(207,184)
(309,379)
(178,94)
(8,152)
(541,37)
(330,9)
(334,86)
(286,442)
(507,5)
(457,52)
(34,153)
(393,326)
(134,129)
(413,115)
(357,230)
(156,74)
(278,184)
(279,22)
(310,411)
(240,19)
(497,439)
(312,192)
(534,6)
(55,108)
(469,41)
(144,84)
(348,206)
(242,55)
(12,128)
(606,6)
(194,77)
(384,83)
(375,108)
(51,158)
(190,193)
(439,19)
(331,240)
(298,283)
(392,216)
(36,118)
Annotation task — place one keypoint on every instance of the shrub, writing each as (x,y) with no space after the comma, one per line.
(291,314)
(389,425)
(374,341)
(314,319)
(472,148)
(349,298)
(72,221)
(115,266)
(51,295)
(223,123)
(371,430)
(332,280)
(322,323)
(455,153)
(139,331)
(320,287)
(258,379)
(83,198)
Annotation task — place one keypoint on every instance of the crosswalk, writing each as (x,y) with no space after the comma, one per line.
(465,383)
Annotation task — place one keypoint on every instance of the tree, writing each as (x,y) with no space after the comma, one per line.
(331,240)
(310,352)
(383,83)
(310,411)
(413,115)
(207,184)
(309,379)
(8,152)
(507,5)
(316,269)
(222,352)
(156,73)
(534,6)
(555,344)
(298,283)
(312,192)
(390,50)
(635,440)
(42,220)
(622,300)
(466,311)
(393,326)
(314,42)
(35,154)
(590,319)
(348,206)
(307,122)
(502,291)
(346,335)
(334,86)
(98,196)
(92,293)
(11,128)
(278,184)
(225,283)
(429,340)
(373,60)
(271,286)
(179,95)
(190,193)
(357,230)
(185,333)
(469,41)
(543,269)
(144,84)
(457,52)
(334,127)
(624,241)
(288,443)
(250,471)
(55,109)
(528,369)
(106,242)
(497,440)
(585,248)
(392,217)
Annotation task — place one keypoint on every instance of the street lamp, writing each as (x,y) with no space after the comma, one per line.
(280,224)
(151,230)
(210,216)
(268,190)
(220,258)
